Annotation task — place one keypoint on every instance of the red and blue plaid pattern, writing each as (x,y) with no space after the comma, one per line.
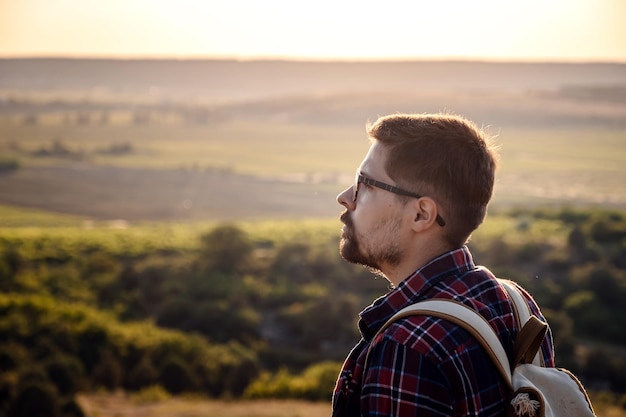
(425,366)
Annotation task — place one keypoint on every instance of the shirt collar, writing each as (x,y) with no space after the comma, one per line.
(414,288)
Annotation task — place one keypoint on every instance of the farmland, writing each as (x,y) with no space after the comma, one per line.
(245,170)
(132,141)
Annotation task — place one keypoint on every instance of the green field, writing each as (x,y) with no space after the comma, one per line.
(246,148)
(245,170)
(275,148)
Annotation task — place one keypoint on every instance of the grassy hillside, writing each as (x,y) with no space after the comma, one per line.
(269,170)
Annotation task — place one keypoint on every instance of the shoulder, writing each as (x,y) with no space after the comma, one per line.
(439,338)
(443,355)
(435,338)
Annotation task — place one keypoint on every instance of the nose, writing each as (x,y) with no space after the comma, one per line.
(346,198)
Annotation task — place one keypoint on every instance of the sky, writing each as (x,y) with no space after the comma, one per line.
(535,30)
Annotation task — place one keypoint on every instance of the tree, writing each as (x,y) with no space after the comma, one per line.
(66,373)
(8,165)
(176,376)
(144,374)
(109,372)
(35,399)
(226,249)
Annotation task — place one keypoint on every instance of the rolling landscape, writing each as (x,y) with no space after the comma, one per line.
(188,140)
(168,228)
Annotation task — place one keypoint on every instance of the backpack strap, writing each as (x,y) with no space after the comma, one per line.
(527,346)
(528,341)
(523,314)
(468,319)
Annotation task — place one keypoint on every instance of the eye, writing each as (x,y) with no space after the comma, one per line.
(355,191)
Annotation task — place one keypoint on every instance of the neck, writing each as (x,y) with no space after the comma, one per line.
(414,260)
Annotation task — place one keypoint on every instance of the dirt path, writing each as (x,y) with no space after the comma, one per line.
(121,405)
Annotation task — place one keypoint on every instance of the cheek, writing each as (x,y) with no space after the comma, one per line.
(373,213)
(362,221)
(370,218)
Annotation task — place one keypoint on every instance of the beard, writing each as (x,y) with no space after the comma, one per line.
(380,249)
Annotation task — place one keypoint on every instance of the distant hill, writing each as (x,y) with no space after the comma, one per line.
(231,79)
(542,94)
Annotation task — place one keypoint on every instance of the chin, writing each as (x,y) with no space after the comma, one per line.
(346,249)
(349,250)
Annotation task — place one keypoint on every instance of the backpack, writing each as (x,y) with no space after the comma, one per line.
(536,391)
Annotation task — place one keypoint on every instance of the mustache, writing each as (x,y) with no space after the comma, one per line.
(345,218)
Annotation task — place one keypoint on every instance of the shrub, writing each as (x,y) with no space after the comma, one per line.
(72,409)
(144,374)
(8,359)
(176,376)
(65,372)
(226,249)
(150,395)
(108,373)
(269,385)
(35,399)
(315,383)
(8,165)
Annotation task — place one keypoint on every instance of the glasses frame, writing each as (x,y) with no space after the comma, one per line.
(362,179)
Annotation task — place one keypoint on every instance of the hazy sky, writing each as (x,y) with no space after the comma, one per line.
(580,30)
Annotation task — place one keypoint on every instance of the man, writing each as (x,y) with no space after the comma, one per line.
(420,192)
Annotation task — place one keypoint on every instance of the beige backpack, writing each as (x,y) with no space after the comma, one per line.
(536,391)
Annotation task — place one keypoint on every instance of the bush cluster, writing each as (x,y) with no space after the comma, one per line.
(241,314)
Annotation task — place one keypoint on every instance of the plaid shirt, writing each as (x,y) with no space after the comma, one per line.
(425,366)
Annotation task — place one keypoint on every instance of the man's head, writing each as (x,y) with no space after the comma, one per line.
(440,167)
(445,157)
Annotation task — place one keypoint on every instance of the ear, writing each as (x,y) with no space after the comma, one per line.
(424,214)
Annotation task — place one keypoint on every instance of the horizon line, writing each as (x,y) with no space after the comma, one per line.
(283,58)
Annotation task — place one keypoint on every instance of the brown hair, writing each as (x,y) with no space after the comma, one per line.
(445,157)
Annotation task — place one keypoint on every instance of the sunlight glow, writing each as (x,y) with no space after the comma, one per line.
(486,29)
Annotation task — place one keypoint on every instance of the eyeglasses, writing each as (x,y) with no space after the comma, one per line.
(362,179)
